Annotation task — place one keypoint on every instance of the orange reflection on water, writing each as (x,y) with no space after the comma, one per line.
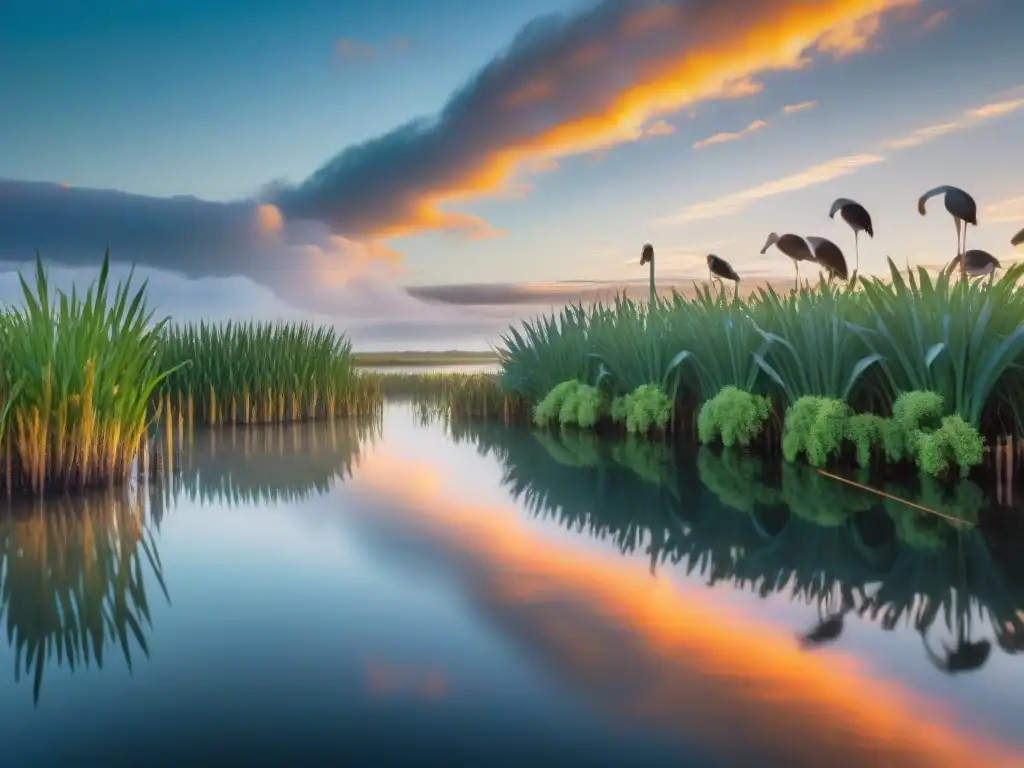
(674,661)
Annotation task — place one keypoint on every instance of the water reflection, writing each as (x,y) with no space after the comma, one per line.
(782,530)
(273,463)
(74,575)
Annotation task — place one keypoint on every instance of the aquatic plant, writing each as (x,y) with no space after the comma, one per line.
(866,431)
(549,409)
(816,427)
(734,416)
(647,407)
(954,442)
(819,499)
(582,407)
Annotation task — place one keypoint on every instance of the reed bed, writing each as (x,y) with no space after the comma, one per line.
(88,380)
(827,373)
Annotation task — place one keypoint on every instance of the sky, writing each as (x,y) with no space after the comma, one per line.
(423,174)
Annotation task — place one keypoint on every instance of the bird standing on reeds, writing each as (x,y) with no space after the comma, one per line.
(977,263)
(828,255)
(647,257)
(793,246)
(1017,239)
(720,269)
(857,216)
(961,207)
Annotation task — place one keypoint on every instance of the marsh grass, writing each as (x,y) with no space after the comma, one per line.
(460,395)
(864,343)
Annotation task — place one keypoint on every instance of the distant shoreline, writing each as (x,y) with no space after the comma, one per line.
(422,358)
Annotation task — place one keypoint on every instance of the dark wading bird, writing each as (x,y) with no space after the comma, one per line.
(857,216)
(977,263)
(720,270)
(961,207)
(828,255)
(647,257)
(793,246)
(1017,239)
(829,626)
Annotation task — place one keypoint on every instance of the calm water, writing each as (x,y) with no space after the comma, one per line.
(418,369)
(392,594)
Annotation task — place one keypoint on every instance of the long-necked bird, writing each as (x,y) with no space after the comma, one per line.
(828,255)
(1018,238)
(793,246)
(977,263)
(647,257)
(857,216)
(720,269)
(961,207)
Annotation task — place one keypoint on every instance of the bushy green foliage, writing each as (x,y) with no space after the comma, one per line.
(955,442)
(919,431)
(735,416)
(582,407)
(867,433)
(550,408)
(816,427)
(647,407)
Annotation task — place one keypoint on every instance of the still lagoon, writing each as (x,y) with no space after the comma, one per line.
(399,592)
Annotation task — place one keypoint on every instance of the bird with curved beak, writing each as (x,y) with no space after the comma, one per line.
(961,207)
(1017,239)
(720,269)
(793,246)
(857,216)
(647,257)
(828,255)
(977,263)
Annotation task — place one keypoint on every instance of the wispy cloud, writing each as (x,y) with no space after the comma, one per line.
(737,201)
(660,128)
(1005,212)
(803,106)
(843,166)
(968,119)
(850,37)
(727,136)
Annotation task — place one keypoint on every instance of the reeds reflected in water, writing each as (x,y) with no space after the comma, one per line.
(785,530)
(74,575)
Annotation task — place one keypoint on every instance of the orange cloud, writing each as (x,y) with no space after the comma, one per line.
(1005,211)
(659,128)
(722,138)
(667,59)
(269,218)
(694,659)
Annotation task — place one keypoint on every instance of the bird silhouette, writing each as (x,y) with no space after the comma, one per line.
(647,257)
(1017,239)
(828,255)
(720,269)
(965,656)
(977,263)
(961,207)
(793,246)
(857,216)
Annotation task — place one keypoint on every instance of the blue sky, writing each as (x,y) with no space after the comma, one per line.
(239,104)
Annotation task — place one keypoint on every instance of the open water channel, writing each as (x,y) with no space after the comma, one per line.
(401,593)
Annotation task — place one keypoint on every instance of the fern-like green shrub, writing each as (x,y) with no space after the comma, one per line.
(955,441)
(913,414)
(734,416)
(550,407)
(816,427)
(582,407)
(867,433)
(647,407)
